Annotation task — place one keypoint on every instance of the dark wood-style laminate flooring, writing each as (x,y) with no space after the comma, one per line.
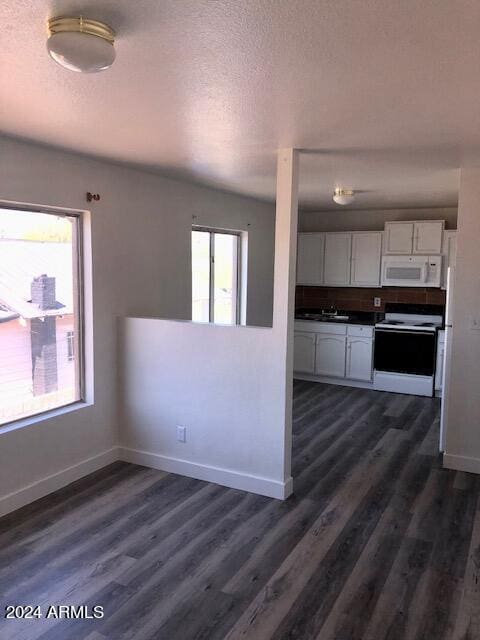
(378,542)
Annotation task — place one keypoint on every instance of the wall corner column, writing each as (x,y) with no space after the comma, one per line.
(462,451)
(286,223)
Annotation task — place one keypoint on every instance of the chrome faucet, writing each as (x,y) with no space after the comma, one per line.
(330,312)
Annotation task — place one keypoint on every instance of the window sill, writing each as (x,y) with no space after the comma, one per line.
(42,417)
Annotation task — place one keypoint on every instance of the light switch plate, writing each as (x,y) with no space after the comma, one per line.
(475,323)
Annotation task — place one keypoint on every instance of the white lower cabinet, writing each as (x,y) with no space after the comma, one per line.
(304,352)
(330,355)
(359,358)
(334,350)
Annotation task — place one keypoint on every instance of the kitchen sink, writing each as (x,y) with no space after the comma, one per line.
(323,317)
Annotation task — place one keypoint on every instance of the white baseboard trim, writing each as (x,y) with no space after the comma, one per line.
(342,382)
(43,487)
(225,477)
(461,463)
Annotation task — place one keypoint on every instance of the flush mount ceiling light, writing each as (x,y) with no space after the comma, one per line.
(343,196)
(80,44)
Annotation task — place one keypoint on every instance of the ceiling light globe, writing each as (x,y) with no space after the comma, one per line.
(343,197)
(81,52)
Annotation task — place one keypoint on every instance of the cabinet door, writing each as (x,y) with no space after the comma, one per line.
(398,237)
(338,248)
(330,355)
(366,258)
(427,237)
(359,358)
(310,258)
(449,254)
(304,352)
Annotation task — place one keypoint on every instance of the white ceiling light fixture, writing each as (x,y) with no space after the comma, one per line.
(81,45)
(343,196)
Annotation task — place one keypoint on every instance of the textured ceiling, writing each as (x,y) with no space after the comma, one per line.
(384,95)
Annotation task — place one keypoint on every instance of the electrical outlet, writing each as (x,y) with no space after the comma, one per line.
(377,302)
(475,323)
(182,434)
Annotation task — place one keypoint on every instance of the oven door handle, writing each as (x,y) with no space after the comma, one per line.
(409,331)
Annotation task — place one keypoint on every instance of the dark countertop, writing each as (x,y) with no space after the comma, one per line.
(354,317)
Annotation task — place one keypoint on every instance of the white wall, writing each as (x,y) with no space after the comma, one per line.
(221,383)
(231,387)
(340,219)
(141,266)
(463,433)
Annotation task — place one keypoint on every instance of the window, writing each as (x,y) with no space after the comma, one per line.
(40,312)
(215,276)
(70,346)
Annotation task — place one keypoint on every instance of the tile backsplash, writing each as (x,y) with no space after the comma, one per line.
(361,298)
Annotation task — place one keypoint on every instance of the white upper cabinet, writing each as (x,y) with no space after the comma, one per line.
(338,248)
(418,237)
(366,258)
(427,237)
(449,252)
(398,237)
(353,259)
(310,254)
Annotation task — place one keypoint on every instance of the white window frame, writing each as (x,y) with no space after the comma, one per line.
(238,297)
(80,295)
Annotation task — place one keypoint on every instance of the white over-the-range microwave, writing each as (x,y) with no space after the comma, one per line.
(411,271)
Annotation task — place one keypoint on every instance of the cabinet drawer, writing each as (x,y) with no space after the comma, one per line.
(331,327)
(360,331)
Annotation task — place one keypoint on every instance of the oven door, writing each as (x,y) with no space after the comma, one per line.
(404,351)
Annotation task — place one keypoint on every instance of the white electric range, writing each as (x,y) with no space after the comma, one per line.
(405,350)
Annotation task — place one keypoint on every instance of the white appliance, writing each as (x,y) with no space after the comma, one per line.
(411,271)
(447,356)
(405,350)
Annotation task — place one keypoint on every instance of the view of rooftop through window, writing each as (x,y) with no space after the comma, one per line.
(39,313)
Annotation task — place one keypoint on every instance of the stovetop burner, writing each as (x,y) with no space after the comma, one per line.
(410,322)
